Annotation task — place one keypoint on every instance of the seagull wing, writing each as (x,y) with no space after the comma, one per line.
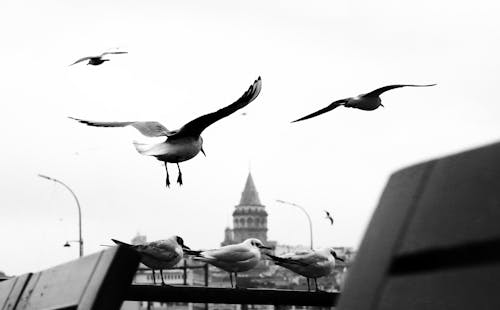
(158,249)
(284,260)
(108,53)
(307,258)
(196,126)
(149,129)
(230,253)
(83,59)
(377,92)
(332,106)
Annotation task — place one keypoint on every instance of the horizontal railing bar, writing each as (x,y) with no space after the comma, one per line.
(252,296)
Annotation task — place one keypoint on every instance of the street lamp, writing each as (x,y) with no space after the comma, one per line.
(80,239)
(308,218)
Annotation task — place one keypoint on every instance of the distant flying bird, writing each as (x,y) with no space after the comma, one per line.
(368,102)
(96,60)
(329,217)
(161,254)
(310,263)
(185,143)
(234,258)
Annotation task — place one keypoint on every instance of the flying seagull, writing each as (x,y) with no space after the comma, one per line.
(161,254)
(96,60)
(368,102)
(329,217)
(234,258)
(185,143)
(310,263)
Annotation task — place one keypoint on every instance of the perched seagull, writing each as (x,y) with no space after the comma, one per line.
(310,264)
(185,143)
(329,217)
(234,258)
(96,60)
(161,254)
(368,102)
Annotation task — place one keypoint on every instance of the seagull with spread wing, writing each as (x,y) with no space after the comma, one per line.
(97,60)
(185,143)
(368,102)
(329,217)
(311,264)
(234,258)
(161,254)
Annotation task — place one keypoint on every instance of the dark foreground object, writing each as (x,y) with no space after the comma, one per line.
(434,239)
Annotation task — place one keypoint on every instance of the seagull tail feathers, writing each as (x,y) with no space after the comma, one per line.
(195,253)
(118,242)
(276,259)
(150,149)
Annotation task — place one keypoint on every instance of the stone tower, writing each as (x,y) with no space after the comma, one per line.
(249,216)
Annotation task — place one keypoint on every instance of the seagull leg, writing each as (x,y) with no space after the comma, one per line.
(236,280)
(179,178)
(308,285)
(154,278)
(316,284)
(168,177)
(231,279)
(162,281)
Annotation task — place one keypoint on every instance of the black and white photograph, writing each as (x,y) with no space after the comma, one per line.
(239,155)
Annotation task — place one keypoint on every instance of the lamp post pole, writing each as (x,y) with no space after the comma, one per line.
(308,218)
(80,239)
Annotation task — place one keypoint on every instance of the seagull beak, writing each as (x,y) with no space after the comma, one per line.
(203,151)
(340,259)
(382,105)
(185,247)
(265,247)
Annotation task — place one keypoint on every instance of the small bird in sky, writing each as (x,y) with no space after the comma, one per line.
(97,60)
(329,217)
(234,258)
(368,102)
(161,254)
(185,143)
(310,263)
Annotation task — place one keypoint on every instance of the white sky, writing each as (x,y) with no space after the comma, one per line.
(188,58)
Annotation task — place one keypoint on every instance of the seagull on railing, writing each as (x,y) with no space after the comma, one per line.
(368,102)
(186,142)
(97,60)
(234,258)
(161,254)
(310,263)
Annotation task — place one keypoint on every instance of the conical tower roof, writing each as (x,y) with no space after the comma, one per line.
(250,196)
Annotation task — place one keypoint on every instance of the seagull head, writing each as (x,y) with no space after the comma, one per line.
(335,256)
(180,242)
(257,243)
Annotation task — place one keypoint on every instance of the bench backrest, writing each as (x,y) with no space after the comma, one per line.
(97,281)
(434,239)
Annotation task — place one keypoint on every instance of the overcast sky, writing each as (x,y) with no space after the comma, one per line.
(188,58)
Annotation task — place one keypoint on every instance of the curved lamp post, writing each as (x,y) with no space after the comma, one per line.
(308,218)
(80,240)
